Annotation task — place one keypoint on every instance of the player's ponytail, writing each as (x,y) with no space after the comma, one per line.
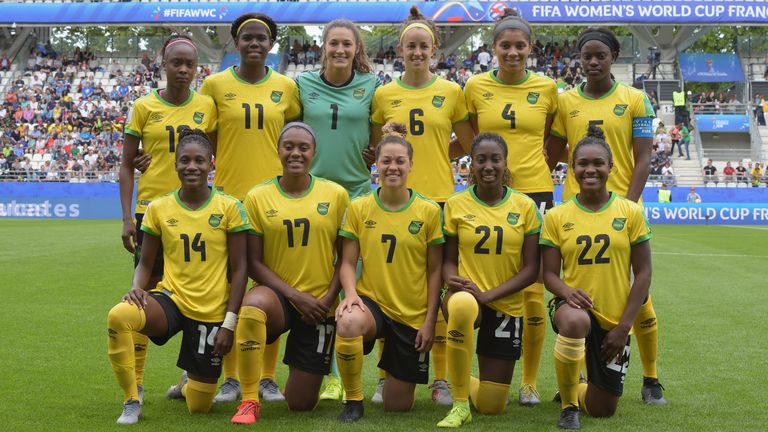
(394,133)
(189,136)
(595,136)
(417,20)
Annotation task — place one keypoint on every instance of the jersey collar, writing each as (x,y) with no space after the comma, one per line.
(407,87)
(507,194)
(600,210)
(400,210)
(156,92)
(185,207)
(306,192)
(580,89)
(262,81)
(494,75)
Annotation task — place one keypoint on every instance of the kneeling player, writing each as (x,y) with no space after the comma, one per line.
(597,237)
(200,231)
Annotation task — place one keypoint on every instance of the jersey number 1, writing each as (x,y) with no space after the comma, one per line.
(260,116)
(172,136)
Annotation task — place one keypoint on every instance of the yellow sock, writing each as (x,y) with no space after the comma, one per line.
(647,335)
(199,396)
(568,354)
(533,333)
(140,347)
(382,372)
(270,360)
(462,313)
(438,348)
(490,397)
(349,355)
(122,321)
(230,362)
(251,338)
(583,397)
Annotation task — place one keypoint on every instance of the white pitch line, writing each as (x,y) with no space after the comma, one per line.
(759,228)
(710,255)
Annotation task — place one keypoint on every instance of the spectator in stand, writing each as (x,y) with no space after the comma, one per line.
(665,195)
(757,175)
(710,173)
(685,141)
(674,136)
(123,89)
(757,109)
(5,63)
(742,175)
(484,58)
(668,174)
(693,197)
(728,173)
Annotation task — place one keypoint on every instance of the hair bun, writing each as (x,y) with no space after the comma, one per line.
(395,129)
(416,13)
(595,132)
(509,12)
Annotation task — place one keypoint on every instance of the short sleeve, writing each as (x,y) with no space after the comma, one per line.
(207,88)
(350,224)
(558,126)
(435,227)
(552,93)
(237,218)
(643,107)
(639,228)
(343,204)
(549,235)
(137,118)
(213,115)
(377,107)
(293,111)
(532,219)
(460,112)
(450,222)
(469,97)
(253,216)
(149,224)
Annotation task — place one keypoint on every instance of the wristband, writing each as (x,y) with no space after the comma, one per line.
(230,321)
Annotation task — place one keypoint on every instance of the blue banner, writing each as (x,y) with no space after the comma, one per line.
(707,213)
(722,123)
(60,200)
(466,12)
(711,67)
(712,194)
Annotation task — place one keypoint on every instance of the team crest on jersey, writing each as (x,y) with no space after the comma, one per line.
(230,96)
(322,208)
(198,117)
(437,101)
(512,218)
(533,97)
(619,109)
(276,96)
(358,93)
(156,117)
(415,227)
(618,223)
(215,220)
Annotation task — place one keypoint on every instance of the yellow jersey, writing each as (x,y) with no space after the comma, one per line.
(157,124)
(596,247)
(394,248)
(297,228)
(518,112)
(195,251)
(251,117)
(429,113)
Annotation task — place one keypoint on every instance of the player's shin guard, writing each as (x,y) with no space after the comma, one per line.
(251,339)
(199,396)
(380,344)
(647,335)
(568,355)
(230,362)
(488,397)
(270,360)
(462,313)
(438,348)
(122,321)
(349,355)
(533,332)
(140,347)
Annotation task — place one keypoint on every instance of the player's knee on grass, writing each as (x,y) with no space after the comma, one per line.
(302,390)
(398,395)
(599,403)
(199,396)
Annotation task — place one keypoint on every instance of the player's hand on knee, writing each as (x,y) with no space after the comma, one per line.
(136,296)
(424,337)
(349,302)
(222,343)
(129,236)
(142,161)
(613,344)
(578,299)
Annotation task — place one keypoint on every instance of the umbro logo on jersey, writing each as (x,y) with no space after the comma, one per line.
(172,222)
(358,93)
(230,96)
(619,109)
(573,113)
(567,226)
(469,217)
(271,213)
(276,96)
(156,117)
(313,95)
(487,95)
(396,103)
(370,223)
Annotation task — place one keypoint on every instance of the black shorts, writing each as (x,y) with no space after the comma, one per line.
(309,348)
(400,358)
(196,351)
(544,201)
(609,377)
(157,268)
(500,336)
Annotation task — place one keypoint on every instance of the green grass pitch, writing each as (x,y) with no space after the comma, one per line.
(61,277)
